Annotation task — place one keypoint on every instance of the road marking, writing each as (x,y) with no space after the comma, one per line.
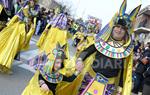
(29,54)
(27,67)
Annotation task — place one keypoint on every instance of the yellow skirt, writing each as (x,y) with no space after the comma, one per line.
(13,38)
(11,41)
(48,41)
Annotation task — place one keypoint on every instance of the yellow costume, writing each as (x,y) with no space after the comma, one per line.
(78,35)
(55,32)
(73,88)
(49,39)
(33,88)
(13,39)
(104,49)
(47,42)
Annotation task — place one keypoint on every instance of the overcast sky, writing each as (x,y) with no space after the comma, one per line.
(103,9)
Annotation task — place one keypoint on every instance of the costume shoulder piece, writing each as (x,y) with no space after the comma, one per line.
(49,75)
(111,51)
(111,48)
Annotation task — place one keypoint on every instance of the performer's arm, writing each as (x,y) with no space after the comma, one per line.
(87,52)
(70,78)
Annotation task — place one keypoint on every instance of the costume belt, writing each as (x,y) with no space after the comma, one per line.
(110,80)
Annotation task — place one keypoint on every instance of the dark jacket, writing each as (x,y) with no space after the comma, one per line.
(147,71)
(109,67)
(144,69)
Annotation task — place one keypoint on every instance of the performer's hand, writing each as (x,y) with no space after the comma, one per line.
(44,87)
(119,91)
(79,65)
(79,61)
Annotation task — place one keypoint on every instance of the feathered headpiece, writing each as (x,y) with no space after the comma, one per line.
(125,19)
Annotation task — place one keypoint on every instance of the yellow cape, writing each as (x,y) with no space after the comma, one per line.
(48,40)
(13,38)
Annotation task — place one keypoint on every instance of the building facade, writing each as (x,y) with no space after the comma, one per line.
(142,25)
(49,4)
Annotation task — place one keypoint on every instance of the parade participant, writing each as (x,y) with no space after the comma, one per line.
(16,36)
(110,56)
(18,5)
(78,37)
(88,37)
(51,14)
(47,81)
(40,19)
(55,31)
(74,27)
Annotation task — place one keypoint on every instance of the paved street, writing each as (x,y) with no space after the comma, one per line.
(15,83)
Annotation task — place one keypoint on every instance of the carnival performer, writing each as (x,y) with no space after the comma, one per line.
(78,37)
(18,5)
(86,39)
(16,36)
(55,31)
(48,80)
(110,57)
